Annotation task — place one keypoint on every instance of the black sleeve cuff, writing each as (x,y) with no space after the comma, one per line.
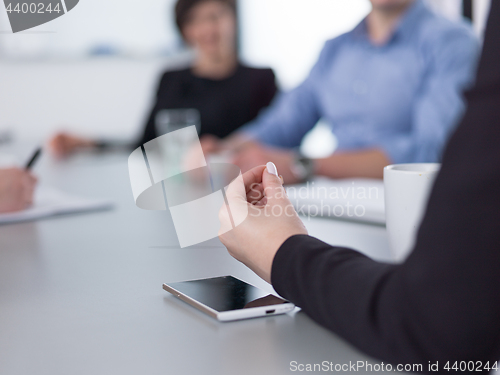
(282,267)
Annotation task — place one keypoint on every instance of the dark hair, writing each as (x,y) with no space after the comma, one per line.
(183,7)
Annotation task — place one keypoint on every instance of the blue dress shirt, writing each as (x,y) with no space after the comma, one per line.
(403,97)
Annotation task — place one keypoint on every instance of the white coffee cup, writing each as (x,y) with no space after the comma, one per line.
(406,191)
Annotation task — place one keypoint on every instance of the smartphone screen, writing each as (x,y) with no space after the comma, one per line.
(226,293)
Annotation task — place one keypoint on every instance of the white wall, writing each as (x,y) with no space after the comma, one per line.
(481,11)
(128,26)
(107,97)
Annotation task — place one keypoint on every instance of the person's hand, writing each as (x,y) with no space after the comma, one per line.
(16,189)
(64,144)
(210,144)
(252,154)
(271,219)
(192,159)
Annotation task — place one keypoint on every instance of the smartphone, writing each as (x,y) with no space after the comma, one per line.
(227,298)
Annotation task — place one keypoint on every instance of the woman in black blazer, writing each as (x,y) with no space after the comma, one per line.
(441,307)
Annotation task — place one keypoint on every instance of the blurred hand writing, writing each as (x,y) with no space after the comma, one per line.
(16,189)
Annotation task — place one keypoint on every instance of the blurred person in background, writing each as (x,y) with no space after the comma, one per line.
(390,89)
(16,189)
(226,93)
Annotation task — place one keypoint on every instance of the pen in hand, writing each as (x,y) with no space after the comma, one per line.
(33,159)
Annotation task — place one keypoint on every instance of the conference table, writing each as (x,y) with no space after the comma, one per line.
(82,293)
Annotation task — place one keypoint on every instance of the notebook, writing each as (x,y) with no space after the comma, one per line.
(357,199)
(51,202)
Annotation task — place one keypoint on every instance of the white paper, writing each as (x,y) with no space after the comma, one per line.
(50,202)
(357,199)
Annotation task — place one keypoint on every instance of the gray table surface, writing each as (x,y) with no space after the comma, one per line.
(82,293)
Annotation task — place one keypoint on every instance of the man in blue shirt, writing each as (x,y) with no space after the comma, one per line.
(390,89)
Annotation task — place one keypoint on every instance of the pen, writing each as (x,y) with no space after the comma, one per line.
(33,159)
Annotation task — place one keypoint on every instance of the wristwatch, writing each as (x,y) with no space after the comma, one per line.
(302,167)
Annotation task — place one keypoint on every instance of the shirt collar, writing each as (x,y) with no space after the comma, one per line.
(405,26)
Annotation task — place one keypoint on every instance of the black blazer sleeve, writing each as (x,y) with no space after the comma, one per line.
(443,303)
(263,89)
(266,88)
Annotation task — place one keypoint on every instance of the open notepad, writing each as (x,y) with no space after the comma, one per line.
(50,202)
(353,199)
